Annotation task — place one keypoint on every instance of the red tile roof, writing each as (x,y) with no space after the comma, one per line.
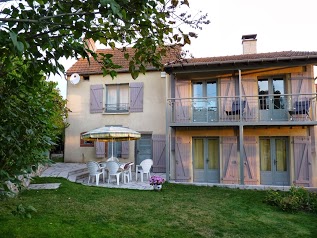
(260,58)
(83,67)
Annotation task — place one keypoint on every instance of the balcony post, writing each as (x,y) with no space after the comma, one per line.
(240,141)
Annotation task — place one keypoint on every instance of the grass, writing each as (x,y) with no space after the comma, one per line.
(75,210)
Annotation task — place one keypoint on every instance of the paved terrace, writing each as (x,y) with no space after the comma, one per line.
(77,172)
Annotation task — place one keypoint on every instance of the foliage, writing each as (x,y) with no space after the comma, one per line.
(24,212)
(75,210)
(32,114)
(156,180)
(46,30)
(296,199)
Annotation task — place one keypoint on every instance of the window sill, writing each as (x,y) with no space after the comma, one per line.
(115,113)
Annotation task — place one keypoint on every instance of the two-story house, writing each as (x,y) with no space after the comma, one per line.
(243,119)
(96,101)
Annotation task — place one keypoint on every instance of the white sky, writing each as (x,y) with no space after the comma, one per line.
(280,25)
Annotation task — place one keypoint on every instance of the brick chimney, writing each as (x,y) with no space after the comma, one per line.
(249,44)
(90,44)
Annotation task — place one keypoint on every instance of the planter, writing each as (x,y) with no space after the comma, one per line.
(157,187)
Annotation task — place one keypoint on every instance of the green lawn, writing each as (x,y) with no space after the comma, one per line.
(75,210)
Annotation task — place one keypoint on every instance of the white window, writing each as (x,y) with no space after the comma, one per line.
(117,98)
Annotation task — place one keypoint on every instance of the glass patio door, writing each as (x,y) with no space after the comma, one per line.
(274,161)
(205,101)
(206,160)
(271,99)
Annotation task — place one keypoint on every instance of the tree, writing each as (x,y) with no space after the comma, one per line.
(32,116)
(43,31)
(34,35)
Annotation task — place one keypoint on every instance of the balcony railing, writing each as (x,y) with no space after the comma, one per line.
(247,109)
(117,107)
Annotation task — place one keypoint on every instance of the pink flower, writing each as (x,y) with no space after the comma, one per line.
(155,180)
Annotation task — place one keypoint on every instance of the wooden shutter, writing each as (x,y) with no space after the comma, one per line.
(182,107)
(136,96)
(227,88)
(250,165)
(302,161)
(182,160)
(301,84)
(96,97)
(159,153)
(249,90)
(230,160)
(125,150)
(100,149)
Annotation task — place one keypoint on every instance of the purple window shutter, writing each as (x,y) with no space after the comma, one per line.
(100,149)
(136,96)
(183,160)
(96,96)
(230,160)
(125,149)
(182,107)
(303,161)
(159,154)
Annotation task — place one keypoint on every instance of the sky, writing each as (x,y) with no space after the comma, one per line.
(280,25)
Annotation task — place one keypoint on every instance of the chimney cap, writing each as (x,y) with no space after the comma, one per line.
(249,37)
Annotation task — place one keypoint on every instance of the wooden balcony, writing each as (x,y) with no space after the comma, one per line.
(275,109)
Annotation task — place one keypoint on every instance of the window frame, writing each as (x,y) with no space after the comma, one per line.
(118,107)
(84,143)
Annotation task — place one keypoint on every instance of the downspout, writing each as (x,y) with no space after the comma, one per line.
(240,141)
(167,131)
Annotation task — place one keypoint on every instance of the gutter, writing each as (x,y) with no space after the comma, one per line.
(169,68)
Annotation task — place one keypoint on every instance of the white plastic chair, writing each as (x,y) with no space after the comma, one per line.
(94,171)
(113,159)
(113,168)
(126,172)
(144,168)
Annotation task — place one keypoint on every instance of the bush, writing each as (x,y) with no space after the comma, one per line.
(296,199)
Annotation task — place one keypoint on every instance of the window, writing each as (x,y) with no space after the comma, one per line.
(205,104)
(84,143)
(117,98)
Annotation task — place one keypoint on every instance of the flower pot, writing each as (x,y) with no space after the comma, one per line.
(157,187)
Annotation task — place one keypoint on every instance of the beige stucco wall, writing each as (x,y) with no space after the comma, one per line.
(151,120)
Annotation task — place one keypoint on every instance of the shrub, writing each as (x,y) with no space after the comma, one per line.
(296,199)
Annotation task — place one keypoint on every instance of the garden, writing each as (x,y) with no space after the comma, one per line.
(75,210)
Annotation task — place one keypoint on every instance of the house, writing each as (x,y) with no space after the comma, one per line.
(96,101)
(243,119)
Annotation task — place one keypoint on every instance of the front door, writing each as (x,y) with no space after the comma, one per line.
(205,107)
(272,101)
(143,148)
(206,160)
(274,161)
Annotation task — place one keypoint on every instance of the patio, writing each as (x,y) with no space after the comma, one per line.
(77,172)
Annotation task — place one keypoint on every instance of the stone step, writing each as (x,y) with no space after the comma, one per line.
(74,175)
(77,171)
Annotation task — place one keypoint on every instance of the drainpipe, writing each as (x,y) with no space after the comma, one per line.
(241,150)
(167,131)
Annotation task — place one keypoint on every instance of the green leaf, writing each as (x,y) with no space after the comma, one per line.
(112,45)
(14,37)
